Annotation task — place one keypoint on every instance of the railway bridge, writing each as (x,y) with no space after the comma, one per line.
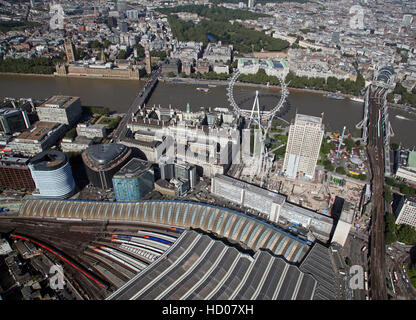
(379,132)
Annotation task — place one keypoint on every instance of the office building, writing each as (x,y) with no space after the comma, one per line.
(133,181)
(344,223)
(15,173)
(272,206)
(304,143)
(267,202)
(13,120)
(52,174)
(216,52)
(102,161)
(407,166)
(91,131)
(171,65)
(186,171)
(406,211)
(78,144)
(40,136)
(167,168)
(61,109)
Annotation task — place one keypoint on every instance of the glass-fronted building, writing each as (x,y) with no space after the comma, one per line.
(133,181)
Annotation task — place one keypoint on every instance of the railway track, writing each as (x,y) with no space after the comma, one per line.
(375,148)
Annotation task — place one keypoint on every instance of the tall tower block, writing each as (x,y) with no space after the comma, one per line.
(148,62)
(303,145)
(70,50)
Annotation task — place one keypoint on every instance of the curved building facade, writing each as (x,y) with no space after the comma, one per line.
(52,174)
(102,161)
(233,225)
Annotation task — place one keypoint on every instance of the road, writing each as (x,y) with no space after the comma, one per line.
(141,98)
(377,262)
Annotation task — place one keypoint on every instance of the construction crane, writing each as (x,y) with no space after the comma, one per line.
(338,153)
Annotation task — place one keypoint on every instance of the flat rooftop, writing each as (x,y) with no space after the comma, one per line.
(11,160)
(39,130)
(133,168)
(276,197)
(412,160)
(307,118)
(60,102)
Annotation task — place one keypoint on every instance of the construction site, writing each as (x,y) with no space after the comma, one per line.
(319,193)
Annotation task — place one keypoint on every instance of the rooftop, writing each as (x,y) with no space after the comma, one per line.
(48,160)
(38,131)
(217,271)
(133,168)
(103,154)
(14,161)
(60,102)
(307,118)
(412,159)
(276,197)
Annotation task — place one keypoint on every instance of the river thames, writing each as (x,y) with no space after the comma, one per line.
(117,95)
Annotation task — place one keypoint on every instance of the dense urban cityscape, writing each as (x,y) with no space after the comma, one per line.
(207,150)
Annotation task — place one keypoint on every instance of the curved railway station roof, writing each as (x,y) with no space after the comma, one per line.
(235,226)
(199,267)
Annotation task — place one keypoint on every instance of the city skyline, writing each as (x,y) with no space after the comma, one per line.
(225,189)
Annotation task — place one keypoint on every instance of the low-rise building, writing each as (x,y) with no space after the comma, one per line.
(78,144)
(407,166)
(171,65)
(40,136)
(91,131)
(272,205)
(221,68)
(216,52)
(202,66)
(273,67)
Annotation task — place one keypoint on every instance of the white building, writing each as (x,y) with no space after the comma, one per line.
(91,131)
(217,52)
(303,145)
(272,205)
(273,67)
(407,212)
(407,174)
(344,223)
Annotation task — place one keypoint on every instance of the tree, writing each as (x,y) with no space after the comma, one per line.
(71,134)
(404,189)
(390,229)
(394,146)
(387,194)
(362,176)
(328,166)
(340,170)
(406,234)
(122,54)
(140,50)
(349,143)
